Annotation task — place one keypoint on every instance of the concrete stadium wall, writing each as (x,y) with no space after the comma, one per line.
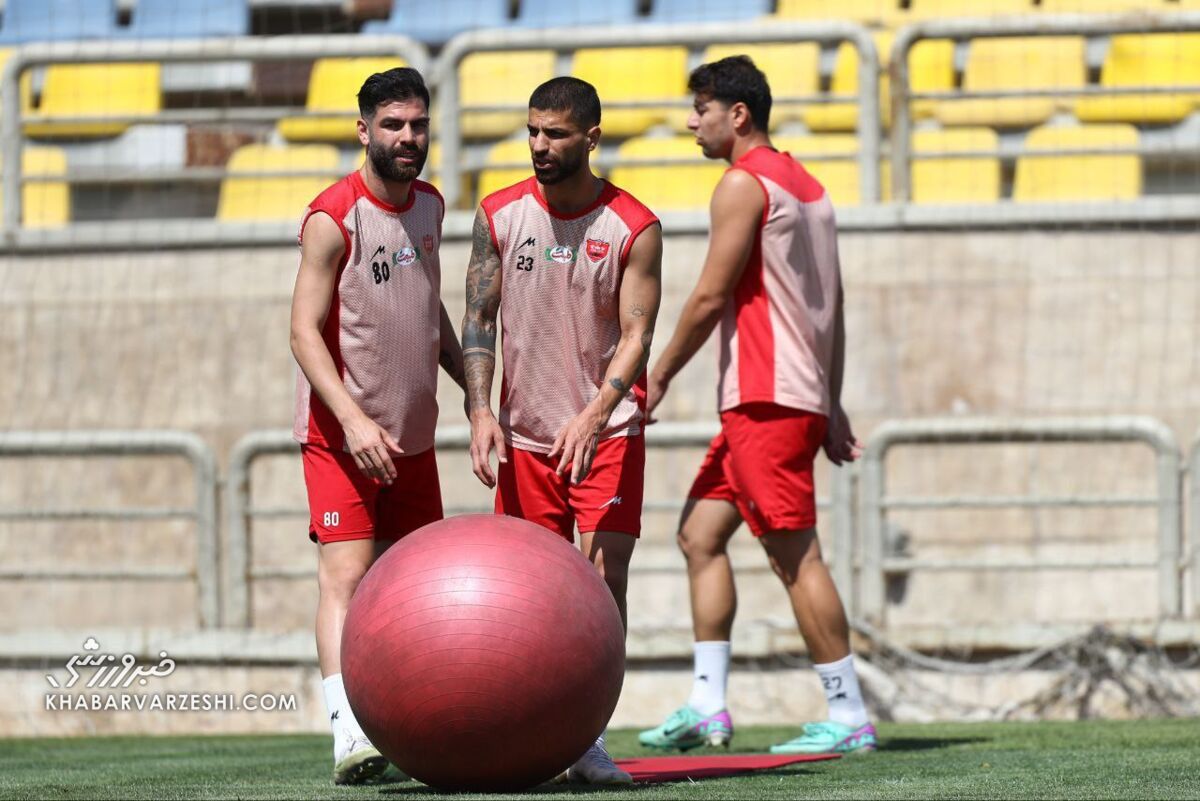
(1020,323)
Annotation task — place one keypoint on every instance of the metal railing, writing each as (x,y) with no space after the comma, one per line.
(1050,25)
(445,75)
(443,80)
(240,511)
(30,444)
(875,502)
(257,48)
(1192,556)
(859,563)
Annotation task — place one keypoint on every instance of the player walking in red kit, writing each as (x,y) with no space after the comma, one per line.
(772,282)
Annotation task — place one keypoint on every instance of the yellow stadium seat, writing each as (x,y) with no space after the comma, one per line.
(45,205)
(687,186)
(838,171)
(245,197)
(1016,64)
(1078,177)
(633,73)
(333,90)
(879,13)
(973,179)
(495,78)
(931,69)
(511,152)
(941,9)
(1105,6)
(1165,59)
(94,90)
(792,70)
(433,171)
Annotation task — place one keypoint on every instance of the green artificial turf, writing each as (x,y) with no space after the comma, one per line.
(1094,759)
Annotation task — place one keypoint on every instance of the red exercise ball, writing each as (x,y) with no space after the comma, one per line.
(483,653)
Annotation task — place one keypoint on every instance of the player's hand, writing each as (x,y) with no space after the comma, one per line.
(486,434)
(656,388)
(575,445)
(372,448)
(840,444)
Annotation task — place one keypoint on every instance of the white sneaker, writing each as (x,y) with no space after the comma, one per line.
(357,761)
(597,767)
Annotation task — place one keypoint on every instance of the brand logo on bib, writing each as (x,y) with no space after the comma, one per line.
(405,256)
(596,249)
(562,254)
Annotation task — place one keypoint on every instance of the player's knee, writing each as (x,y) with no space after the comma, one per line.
(338,579)
(696,549)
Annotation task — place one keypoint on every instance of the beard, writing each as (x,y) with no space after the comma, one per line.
(561,170)
(384,162)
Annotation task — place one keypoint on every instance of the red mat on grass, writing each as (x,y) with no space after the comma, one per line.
(674,769)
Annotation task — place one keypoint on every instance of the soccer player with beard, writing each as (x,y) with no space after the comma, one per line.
(368,332)
(571,264)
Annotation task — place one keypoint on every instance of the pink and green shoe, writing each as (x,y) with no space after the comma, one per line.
(686,729)
(828,737)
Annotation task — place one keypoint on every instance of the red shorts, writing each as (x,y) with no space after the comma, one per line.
(344,504)
(608,499)
(762,462)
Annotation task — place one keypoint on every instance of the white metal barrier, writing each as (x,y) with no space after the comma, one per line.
(859,563)
(28,444)
(1193,542)
(443,79)
(240,510)
(875,502)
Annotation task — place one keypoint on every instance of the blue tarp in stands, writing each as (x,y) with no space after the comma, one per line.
(570,13)
(437,22)
(171,19)
(54,20)
(707,10)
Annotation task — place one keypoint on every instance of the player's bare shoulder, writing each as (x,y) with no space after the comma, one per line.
(738,186)
(321,239)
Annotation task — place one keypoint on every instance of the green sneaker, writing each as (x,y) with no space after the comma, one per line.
(686,728)
(828,737)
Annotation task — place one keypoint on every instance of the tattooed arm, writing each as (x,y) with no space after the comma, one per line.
(641,291)
(479,348)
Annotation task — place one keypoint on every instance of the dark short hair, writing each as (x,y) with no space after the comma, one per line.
(398,83)
(735,79)
(572,95)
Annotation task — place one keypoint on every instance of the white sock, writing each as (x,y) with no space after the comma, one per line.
(843,693)
(710,675)
(341,718)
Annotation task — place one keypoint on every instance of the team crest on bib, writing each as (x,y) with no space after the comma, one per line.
(428,243)
(562,254)
(405,256)
(596,249)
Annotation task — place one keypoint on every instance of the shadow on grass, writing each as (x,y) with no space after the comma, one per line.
(927,743)
(414,788)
